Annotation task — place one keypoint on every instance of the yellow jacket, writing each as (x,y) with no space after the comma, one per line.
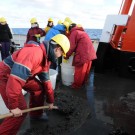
(47,29)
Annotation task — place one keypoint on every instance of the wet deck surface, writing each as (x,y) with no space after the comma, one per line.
(103,94)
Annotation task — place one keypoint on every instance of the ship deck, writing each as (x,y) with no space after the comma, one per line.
(112,106)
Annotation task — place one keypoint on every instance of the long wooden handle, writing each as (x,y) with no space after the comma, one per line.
(27,110)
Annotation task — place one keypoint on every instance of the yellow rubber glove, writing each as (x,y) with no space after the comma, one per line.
(73,54)
(37,35)
(65,61)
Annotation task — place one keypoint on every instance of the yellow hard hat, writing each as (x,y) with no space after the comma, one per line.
(66,24)
(50,20)
(60,22)
(79,25)
(2,20)
(67,19)
(63,41)
(33,20)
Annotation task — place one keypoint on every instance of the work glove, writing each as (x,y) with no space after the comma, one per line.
(37,35)
(73,53)
(50,106)
(65,61)
(16,112)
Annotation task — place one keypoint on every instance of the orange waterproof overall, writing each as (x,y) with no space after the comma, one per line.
(84,52)
(18,71)
(81,75)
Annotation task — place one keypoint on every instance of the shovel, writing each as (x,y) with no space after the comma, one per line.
(27,110)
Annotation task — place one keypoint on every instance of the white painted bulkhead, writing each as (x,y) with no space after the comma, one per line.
(110,22)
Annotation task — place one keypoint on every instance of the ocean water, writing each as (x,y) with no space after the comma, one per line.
(93,33)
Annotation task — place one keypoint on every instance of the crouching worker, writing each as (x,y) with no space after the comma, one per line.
(19,70)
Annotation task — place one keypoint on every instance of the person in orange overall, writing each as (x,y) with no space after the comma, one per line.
(84,53)
(18,72)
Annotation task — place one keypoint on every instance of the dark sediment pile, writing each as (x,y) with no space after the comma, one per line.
(72,113)
(119,131)
(128,101)
(124,115)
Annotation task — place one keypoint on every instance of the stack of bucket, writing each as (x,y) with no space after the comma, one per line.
(67,71)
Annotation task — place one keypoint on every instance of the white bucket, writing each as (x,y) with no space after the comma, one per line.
(24,92)
(67,74)
(53,74)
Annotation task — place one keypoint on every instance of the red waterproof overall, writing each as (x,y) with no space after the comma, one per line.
(84,53)
(13,72)
(81,75)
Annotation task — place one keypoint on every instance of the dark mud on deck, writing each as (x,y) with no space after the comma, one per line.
(111,101)
(73,112)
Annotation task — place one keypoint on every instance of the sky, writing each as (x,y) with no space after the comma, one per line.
(88,13)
